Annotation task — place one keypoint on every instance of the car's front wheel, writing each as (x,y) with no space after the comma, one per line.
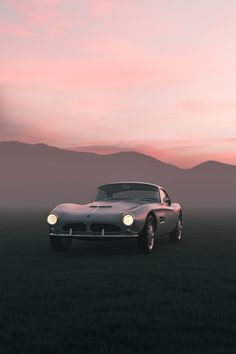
(60,244)
(146,239)
(177,234)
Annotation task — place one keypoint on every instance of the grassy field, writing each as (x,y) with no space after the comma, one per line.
(106,298)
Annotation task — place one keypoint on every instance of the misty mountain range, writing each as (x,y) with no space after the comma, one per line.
(41,176)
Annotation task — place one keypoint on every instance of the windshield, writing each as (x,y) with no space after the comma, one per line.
(119,191)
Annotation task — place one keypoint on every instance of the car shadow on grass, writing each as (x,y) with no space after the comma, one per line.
(100,249)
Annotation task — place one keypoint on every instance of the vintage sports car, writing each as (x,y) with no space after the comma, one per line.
(122,210)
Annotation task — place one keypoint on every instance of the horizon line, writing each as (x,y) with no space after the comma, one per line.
(115,153)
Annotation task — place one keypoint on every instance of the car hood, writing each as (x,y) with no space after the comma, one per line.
(99,207)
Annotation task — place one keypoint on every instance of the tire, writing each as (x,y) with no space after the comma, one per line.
(60,244)
(147,240)
(177,234)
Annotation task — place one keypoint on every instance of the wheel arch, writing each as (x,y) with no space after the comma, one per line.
(154,217)
(141,215)
(180,214)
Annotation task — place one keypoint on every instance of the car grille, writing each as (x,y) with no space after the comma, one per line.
(79,227)
(106,228)
(95,228)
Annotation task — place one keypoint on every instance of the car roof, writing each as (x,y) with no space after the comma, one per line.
(130,182)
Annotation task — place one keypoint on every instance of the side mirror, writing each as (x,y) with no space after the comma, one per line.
(167,201)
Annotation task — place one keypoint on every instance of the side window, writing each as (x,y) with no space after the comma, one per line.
(164,195)
(158,196)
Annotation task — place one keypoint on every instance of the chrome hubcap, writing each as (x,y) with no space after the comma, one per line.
(150,235)
(180,229)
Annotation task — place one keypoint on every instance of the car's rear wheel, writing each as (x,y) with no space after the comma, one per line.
(177,234)
(146,239)
(60,244)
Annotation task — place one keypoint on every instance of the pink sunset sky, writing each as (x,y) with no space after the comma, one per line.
(155,76)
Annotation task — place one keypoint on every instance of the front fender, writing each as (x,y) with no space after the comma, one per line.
(140,215)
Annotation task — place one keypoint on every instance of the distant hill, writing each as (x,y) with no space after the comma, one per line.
(43,176)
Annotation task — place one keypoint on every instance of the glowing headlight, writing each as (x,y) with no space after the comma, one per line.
(128,220)
(52,219)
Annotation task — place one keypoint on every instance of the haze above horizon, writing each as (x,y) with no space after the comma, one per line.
(14,145)
(156,77)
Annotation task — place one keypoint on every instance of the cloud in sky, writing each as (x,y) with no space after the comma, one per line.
(8,27)
(202,105)
(128,74)
(101,7)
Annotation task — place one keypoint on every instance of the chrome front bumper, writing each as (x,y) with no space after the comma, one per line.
(89,235)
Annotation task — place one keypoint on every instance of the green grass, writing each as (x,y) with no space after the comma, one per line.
(104,297)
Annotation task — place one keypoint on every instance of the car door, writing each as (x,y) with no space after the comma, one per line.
(168,215)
